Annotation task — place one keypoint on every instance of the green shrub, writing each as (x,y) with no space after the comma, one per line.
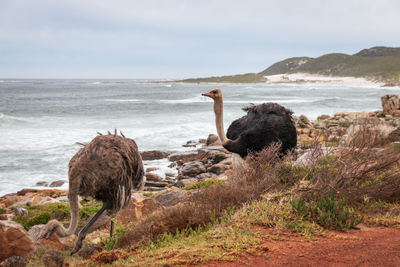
(2,211)
(327,211)
(109,242)
(27,222)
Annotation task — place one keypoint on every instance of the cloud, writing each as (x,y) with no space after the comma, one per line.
(182,38)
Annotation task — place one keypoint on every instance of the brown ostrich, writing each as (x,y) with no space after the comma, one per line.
(107,169)
(263,125)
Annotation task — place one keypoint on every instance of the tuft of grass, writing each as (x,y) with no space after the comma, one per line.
(327,211)
(2,211)
(202,184)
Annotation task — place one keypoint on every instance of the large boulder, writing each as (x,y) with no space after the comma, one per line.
(367,132)
(193,168)
(390,104)
(14,240)
(213,140)
(184,156)
(172,198)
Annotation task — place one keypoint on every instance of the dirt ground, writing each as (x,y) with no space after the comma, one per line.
(364,247)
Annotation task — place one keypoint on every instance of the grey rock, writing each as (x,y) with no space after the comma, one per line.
(172,198)
(20,211)
(42,183)
(206,176)
(57,183)
(193,168)
(184,156)
(185,182)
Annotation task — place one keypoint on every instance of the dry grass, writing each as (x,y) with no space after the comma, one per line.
(245,185)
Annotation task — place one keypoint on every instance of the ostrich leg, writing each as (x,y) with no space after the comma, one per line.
(85,229)
(111,228)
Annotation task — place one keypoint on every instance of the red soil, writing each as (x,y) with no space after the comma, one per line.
(365,247)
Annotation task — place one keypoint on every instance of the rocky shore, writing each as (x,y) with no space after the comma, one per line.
(206,160)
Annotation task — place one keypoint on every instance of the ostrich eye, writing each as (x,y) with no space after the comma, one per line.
(214,92)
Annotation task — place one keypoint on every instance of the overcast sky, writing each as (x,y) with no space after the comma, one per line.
(177,39)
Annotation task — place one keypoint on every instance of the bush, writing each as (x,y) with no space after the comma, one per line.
(27,222)
(327,211)
(109,242)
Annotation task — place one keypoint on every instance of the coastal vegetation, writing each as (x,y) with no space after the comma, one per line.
(380,64)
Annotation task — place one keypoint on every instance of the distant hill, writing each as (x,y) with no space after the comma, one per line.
(381,64)
(240,78)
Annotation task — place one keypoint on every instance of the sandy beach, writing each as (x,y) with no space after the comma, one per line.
(315,78)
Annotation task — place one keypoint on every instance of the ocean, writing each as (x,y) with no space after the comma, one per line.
(41,120)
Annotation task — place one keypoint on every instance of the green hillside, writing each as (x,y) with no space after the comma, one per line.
(378,63)
(240,78)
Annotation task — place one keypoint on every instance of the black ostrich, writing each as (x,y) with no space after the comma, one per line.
(263,125)
(107,169)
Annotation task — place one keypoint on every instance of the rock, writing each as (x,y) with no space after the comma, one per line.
(38,233)
(3,217)
(153,177)
(323,117)
(172,198)
(157,183)
(20,211)
(184,156)
(185,182)
(42,183)
(23,192)
(357,115)
(390,103)
(372,128)
(137,209)
(152,169)
(215,154)
(57,183)
(218,168)
(213,140)
(154,154)
(14,261)
(193,168)
(14,240)
(89,250)
(206,176)
(191,143)
(394,136)
(53,258)
(304,122)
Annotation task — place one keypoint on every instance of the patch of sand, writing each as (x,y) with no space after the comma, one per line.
(315,78)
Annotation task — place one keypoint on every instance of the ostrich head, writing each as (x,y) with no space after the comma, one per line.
(214,93)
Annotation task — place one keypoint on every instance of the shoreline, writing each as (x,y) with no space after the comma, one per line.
(317,78)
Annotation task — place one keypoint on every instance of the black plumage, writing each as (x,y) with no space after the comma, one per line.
(263,125)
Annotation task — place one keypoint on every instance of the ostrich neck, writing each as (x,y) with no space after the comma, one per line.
(219,120)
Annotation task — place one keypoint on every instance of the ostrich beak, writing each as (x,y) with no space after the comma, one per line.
(207,94)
